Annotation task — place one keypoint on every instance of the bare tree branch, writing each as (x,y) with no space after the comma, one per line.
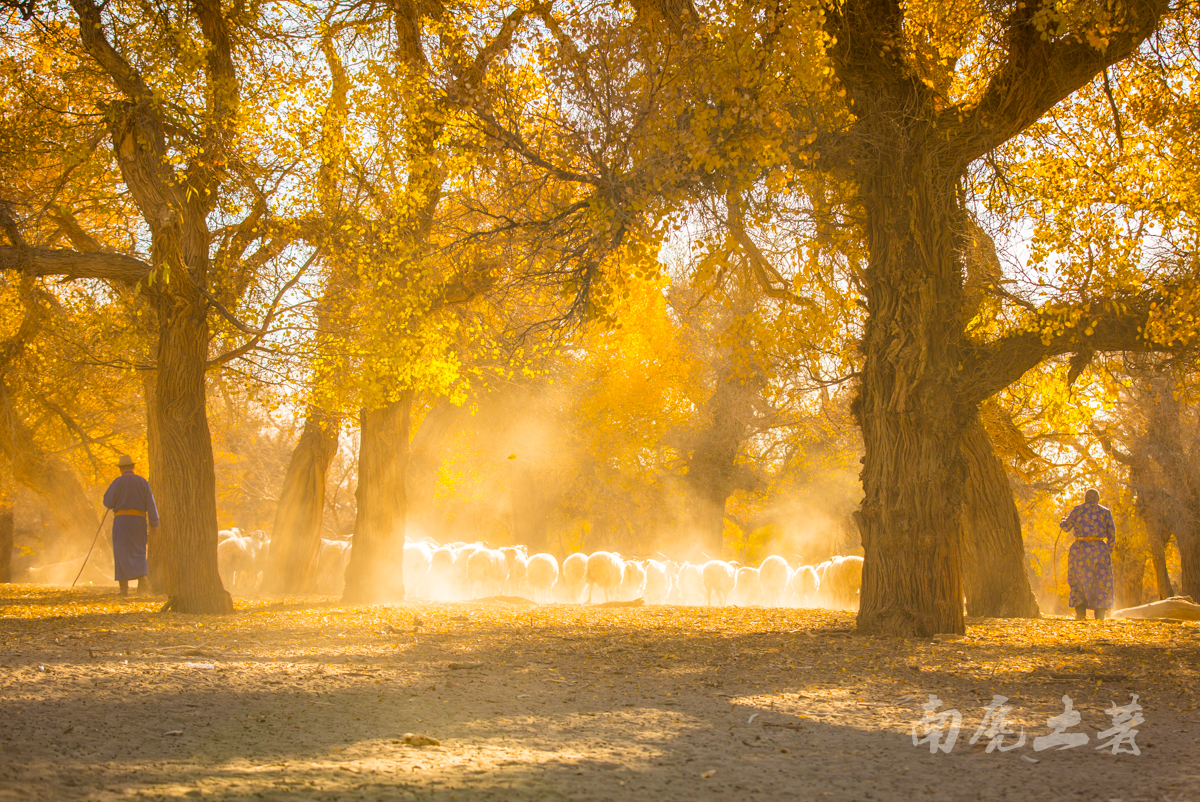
(73,264)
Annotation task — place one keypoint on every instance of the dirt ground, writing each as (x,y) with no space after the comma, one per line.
(106,699)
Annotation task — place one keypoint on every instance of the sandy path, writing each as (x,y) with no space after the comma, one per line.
(302,699)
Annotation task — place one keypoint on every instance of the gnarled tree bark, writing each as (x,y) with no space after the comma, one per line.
(994,577)
(922,379)
(186,485)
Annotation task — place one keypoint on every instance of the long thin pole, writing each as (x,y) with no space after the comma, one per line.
(89,554)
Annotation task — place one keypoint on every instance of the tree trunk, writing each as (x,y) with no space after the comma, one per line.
(994,575)
(1189,560)
(186,494)
(1158,556)
(153,471)
(712,470)
(376,561)
(6,540)
(909,405)
(296,536)
(1129,574)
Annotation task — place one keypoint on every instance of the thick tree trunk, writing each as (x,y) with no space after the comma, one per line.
(6,541)
(994,576)
(186,491)
(910,404)
(375,571)
(296,536)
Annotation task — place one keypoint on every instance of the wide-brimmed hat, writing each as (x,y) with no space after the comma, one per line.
(125,461)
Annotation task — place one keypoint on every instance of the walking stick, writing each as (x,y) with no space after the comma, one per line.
(89,554)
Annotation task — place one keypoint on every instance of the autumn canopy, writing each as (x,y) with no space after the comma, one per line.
(659,276)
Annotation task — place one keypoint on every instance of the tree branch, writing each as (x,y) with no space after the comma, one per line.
(66,221)
(73,264)
(1115,326)
(768,278)
(128,81)
(222,97)
(1040,70)
(256,335)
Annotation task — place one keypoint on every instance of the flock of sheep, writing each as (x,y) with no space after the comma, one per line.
(461,571)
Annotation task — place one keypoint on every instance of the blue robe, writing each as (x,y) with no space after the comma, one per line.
(130,492)
(1089,563)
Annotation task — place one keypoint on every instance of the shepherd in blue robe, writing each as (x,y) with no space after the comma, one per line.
(132,503)
(1089,563)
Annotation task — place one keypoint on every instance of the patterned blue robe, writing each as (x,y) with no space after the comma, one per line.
(1089,564)
(130,492)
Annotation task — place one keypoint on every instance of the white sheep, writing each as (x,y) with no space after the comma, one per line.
(572,578)
(804,587)
(517,559)
(459,587)
(604,571)
(417,559)
(225,534)
(658,582)
(774,574)
(844,581)
(633,580)
(691,584)
(541,570)
(441,573)
(822,590)
(486,572)
(236,557)
(747,587)
(719,578)
(332,560)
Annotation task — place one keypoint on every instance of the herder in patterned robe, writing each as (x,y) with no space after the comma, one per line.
(132,503)
(1089,565)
